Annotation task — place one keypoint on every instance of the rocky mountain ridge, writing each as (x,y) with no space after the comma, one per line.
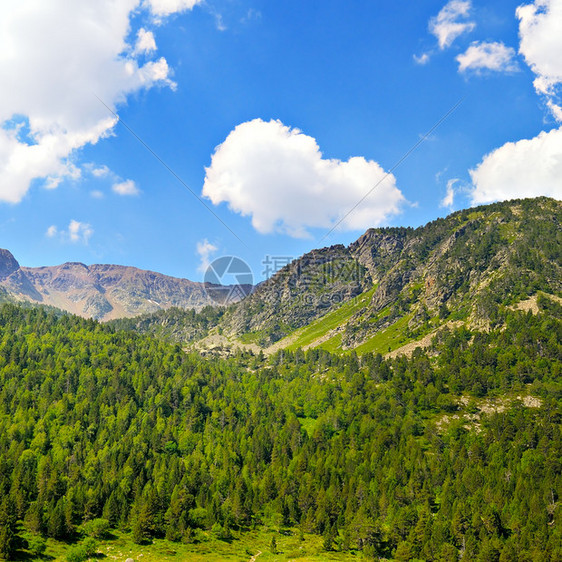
(103,292)
(462,267)
(392,286)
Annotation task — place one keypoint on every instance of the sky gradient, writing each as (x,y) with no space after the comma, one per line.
(252,128)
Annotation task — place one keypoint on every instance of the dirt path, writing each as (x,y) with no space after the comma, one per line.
(253,558)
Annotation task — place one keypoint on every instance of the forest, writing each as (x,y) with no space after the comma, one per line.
(104,429)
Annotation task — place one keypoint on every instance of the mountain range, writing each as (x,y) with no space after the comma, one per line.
(390,288)
(102,292)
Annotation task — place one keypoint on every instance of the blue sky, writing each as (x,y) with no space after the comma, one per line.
(281,116)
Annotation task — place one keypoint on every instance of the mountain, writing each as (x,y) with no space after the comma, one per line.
(395,286)
(391,287)
(462,266)
(103,292)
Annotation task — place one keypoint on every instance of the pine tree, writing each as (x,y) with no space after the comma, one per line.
(8,528)
(34,517)
(56,521)
(273,545)
(329,536)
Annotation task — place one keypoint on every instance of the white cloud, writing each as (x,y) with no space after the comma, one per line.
(205,250)
(449,199)
(277,176)
(127,187)
(77,232)
(145,41)
(167,7)
(527,168)
(487,56)
(530,167)
(97,194)
(540,33)
(55,58)
(100,171)
(422,59)
(451,22)
(555,109)
(219,22)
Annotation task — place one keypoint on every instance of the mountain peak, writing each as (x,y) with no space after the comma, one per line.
(8,264)
(72,264)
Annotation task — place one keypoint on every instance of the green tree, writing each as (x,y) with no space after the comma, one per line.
(8,528)
(37,545)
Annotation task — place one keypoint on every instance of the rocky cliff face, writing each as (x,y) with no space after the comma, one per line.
(378,250)
(99,291)
(302,291)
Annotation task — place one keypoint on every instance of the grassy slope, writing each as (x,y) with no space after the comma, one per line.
(320,327)
(386,340)
(240,549)
(389,339)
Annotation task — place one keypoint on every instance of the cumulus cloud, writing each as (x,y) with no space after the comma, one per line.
(56,57)
(145,41)
(205,250)
(77,232)
(277,175)
(166,7)
(527,168)
(494,56)
(530,167)
(451,22)
(127,187)
(540,32)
